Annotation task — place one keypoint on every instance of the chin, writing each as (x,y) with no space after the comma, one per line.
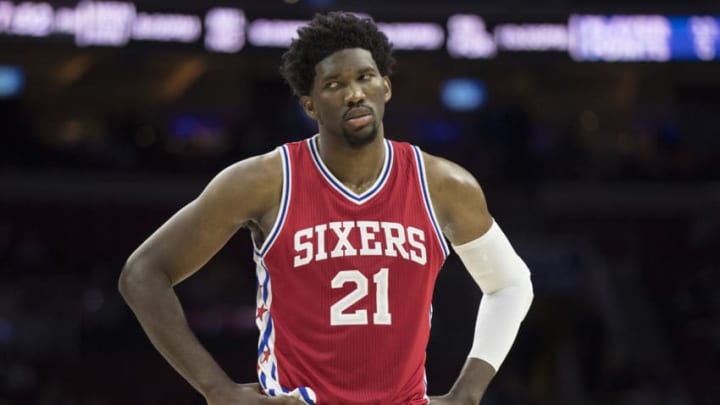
(361,138)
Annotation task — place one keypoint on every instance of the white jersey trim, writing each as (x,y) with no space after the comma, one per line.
(428,203)
(282,212)
(358,199)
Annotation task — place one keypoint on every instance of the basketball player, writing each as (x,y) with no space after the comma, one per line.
(350,232)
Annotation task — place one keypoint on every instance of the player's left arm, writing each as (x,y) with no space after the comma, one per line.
(501,274)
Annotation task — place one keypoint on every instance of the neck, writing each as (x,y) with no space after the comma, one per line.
(356,167)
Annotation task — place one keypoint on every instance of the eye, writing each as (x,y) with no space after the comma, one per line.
(366,76)
(332,85)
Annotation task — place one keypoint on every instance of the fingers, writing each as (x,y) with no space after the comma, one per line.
(283,400)
(252,386)
(265,400)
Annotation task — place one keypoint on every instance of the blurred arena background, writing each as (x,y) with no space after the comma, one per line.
(592,126)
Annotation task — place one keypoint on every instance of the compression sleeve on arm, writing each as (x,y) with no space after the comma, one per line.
(507,290)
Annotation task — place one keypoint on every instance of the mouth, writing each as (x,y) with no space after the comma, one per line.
(357,112)
(358,117)
(360,121)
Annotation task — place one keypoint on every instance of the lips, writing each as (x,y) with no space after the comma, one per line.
(357,112)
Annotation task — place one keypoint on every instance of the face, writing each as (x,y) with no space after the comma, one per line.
(348,96)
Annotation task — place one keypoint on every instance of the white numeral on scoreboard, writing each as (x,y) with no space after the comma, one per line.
(382,315)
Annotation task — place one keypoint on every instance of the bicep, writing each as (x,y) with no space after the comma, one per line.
(185,242)
(458,200)
(467,215)
(194,234)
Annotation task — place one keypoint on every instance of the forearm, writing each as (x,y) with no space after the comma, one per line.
(507,295)
(151,297)
(474,379)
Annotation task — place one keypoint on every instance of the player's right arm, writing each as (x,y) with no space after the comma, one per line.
(244,192)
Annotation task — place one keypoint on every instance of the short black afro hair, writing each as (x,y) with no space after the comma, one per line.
(327,34)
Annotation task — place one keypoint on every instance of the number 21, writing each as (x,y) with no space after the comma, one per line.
(382,314)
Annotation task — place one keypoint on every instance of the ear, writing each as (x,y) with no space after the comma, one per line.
(307,105)
(388,88)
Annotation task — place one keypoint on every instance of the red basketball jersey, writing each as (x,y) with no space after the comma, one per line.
(345,283)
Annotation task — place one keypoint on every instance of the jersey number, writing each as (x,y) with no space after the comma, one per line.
(382,316)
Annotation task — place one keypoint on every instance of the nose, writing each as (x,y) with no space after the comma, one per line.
(355,94)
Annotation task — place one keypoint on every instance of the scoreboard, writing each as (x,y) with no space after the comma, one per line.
(223,29)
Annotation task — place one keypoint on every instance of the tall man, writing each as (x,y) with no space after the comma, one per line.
(350,233)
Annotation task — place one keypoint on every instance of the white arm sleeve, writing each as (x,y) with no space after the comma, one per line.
(507,290)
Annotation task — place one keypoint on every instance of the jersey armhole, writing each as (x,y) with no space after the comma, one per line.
(259,253)
(422,178)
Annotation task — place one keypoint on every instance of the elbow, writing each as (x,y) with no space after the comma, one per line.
(526,292)
(136,280)
(127,281)
(519,292)
(522,288)
(529,291)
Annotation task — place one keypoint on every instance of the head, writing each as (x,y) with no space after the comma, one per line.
(339,67)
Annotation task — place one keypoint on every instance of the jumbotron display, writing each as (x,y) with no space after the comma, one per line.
(603,38)
(644,38)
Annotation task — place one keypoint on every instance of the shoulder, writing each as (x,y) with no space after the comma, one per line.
(248,188)
(447,177)
(256,171)
(458,199)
